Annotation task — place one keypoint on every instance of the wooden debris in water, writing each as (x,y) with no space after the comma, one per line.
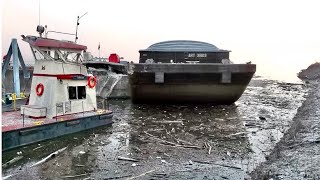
(208,146)
(169,122)
(184,142)
(205,162)
(7,177)
(171,143)
(209,151)
(118,177)
(127,159)
(74,176)
(238,133)
(52,155)
(12,161)
(37,148)
(143,174)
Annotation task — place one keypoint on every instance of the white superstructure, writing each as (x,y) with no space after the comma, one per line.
(61,84)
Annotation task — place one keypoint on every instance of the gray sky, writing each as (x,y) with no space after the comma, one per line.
(281,37)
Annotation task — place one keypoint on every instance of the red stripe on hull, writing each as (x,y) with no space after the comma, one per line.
(61,76)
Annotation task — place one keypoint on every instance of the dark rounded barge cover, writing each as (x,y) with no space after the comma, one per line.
(183,46)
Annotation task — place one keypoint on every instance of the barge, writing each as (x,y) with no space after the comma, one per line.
(187,72)
(62,96)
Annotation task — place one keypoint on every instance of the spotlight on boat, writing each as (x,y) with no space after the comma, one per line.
(40,30)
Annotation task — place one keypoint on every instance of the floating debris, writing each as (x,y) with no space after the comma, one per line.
(82,152)
(127,159)
(7,177)
(52,155)
(12,161)
(74,176)
(143,174)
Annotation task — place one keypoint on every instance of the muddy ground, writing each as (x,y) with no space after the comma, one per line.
(172,141)
(297,155)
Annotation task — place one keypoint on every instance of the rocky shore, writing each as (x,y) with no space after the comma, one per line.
(311,73)
(297,154)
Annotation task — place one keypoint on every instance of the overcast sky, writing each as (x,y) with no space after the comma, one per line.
(281,37)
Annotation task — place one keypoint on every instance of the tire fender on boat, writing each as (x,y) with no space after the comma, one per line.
(39,89)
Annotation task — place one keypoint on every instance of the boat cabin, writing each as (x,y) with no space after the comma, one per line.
(60,84)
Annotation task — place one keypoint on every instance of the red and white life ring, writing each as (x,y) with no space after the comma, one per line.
(92,81)
(39,89)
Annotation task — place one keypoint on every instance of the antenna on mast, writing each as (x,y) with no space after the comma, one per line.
(39,13)
(77,26)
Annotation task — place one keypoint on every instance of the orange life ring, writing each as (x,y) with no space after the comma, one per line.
(92,81)
(39,89)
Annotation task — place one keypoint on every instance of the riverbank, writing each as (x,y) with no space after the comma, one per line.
(297,154)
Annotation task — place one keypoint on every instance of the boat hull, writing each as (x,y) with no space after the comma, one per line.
(189,84)
(17,134)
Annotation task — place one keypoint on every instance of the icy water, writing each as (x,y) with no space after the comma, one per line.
(170,141)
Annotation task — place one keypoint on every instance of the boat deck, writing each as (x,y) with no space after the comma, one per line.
(14,120)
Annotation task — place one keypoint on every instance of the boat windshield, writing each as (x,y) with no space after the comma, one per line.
(57,55)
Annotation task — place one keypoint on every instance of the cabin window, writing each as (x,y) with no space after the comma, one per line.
(73,56)
(37,54)
(81,92)
(56,55)
(72,92)
(77,92)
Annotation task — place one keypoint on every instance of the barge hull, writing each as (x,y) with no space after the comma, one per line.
(186,93)
(189,83)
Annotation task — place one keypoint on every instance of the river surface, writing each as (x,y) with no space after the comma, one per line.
(185,141)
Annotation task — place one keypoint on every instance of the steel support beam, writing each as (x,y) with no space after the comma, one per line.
(5,63)
(16,78)
(14,50)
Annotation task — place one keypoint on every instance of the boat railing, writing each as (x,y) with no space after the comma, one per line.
(58,32)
